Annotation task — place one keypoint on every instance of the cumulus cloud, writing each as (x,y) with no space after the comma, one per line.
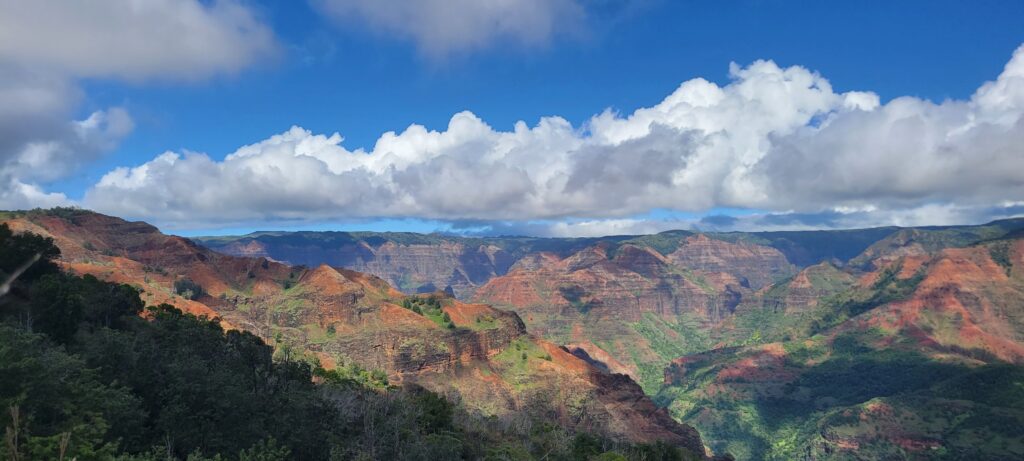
(46,46)
(442,27)
(775,139)
(40,141)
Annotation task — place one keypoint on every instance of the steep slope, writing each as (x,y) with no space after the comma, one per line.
(924,361)
(473,353)
(807,288)
(754,265)
(630,303)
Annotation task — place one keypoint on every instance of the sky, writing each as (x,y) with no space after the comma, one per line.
(539,117)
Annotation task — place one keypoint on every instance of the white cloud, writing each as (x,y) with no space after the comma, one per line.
(16,195)
(774,139)
(39,139)
(46,46)
(907,152)
(605,227)
(443,27)
(132,39)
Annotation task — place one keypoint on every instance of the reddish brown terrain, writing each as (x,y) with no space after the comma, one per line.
(485,359)
(783,345)
(925,359)
(630,307)
(966,304)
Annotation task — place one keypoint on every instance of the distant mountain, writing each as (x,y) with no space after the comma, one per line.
(414,263)
(472,353)
(426,262)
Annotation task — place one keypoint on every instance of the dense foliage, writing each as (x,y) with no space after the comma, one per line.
(88,373)
(429,307)
(188,289)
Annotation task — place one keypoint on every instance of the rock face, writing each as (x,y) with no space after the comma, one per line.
(631,304)
(754,265)
(483,357)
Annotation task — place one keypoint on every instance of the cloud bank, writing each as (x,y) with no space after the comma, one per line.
(46,46)
(774,139)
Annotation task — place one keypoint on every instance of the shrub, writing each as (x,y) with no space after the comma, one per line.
(188,289)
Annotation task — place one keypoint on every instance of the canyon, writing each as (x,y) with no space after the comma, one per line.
(816,345)
(775,345)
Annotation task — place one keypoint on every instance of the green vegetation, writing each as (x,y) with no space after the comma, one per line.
(485,322)
(888,288)
(518,362)
(975,412)
(1000,252)
(188,289)
(83,375)
(431,308)
(669,340)
(864,393)
(664,242)
(353,376)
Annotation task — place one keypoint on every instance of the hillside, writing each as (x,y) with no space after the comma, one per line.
(472,353)
(633,303)
(921,359)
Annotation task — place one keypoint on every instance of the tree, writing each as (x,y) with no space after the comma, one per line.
(51,393)
(188,289)
(55,307)
(265,450)
(18,249)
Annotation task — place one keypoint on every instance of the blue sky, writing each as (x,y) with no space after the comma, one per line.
(359,76)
